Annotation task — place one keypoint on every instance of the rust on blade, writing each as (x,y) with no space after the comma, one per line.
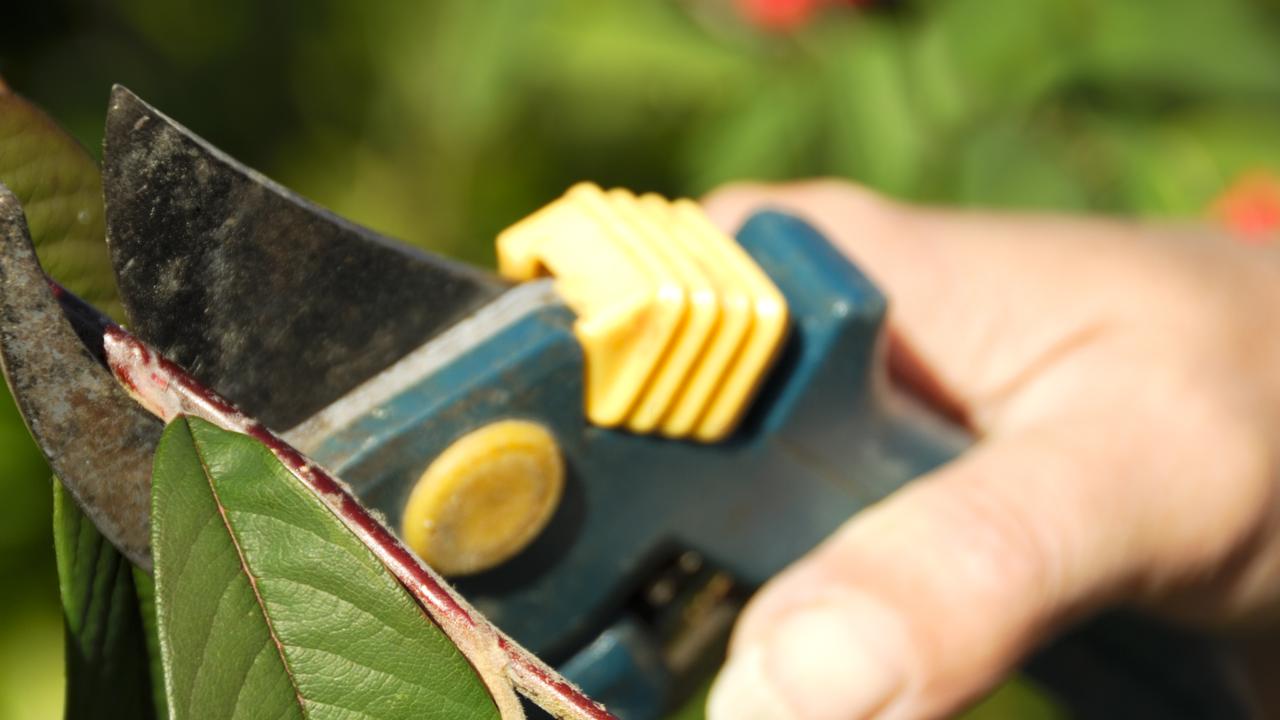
(96,439)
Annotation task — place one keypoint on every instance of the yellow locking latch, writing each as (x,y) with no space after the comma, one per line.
(677,323)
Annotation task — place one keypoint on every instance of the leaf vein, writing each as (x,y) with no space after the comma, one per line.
(338,598)
(309,531)
(387,674)
(253,581)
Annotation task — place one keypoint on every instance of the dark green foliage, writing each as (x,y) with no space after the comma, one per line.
(108,671)
(60,188)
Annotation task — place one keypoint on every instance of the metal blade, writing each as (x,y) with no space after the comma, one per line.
(275,302)
(97,439)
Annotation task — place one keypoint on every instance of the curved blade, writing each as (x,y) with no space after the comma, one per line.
(276,303)
(98,441)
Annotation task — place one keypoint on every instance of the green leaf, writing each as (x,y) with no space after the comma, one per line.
(60,188)
(875,131)
(1016,165)
(146,587)
(106,650)
(1178,164)
(1160,46)
(1018,697)
(1000,56)
(268,607)
(764,138)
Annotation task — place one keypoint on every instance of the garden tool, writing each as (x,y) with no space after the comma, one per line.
(606,446)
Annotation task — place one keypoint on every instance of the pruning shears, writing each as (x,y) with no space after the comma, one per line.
(605,447)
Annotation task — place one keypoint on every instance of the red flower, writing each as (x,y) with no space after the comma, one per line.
(778,14)
(785,15)
(1250,207)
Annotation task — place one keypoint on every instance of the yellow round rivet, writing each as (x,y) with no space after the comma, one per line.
(485,498)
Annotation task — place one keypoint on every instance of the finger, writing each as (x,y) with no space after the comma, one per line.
(969,292)
(921,603)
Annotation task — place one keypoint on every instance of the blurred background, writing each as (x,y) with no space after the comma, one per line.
(443,122)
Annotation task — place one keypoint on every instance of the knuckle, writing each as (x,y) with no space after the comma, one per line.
(1005,549)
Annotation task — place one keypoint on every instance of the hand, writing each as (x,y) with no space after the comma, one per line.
(1123,382)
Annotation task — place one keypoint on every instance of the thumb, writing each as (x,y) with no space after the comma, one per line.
(920,604)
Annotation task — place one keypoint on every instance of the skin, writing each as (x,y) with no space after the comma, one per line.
(1123,384)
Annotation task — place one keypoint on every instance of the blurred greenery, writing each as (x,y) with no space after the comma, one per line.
(60,188)
(443,122)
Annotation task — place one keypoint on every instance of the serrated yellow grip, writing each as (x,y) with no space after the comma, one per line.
(677,323)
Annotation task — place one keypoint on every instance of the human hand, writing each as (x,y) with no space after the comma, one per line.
(1123,382)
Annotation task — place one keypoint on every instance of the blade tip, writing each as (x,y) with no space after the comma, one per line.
(10,206)
(121,94)
(124,107)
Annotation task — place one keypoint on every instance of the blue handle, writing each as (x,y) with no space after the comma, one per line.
(824,439)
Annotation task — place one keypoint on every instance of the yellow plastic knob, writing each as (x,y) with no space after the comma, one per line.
(485,498)
(677,323)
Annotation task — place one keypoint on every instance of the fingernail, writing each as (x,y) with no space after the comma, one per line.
(824,663)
